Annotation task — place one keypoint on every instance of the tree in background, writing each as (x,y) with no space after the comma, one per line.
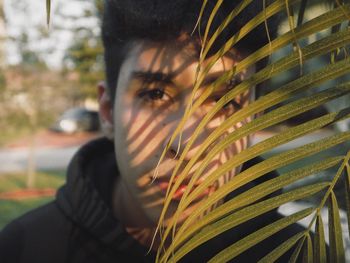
(2,45)
(2,35)
(85,55)
(23,111)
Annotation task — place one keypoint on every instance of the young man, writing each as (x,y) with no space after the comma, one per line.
(109,207)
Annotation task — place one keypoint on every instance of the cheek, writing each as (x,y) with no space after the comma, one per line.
(229,153)
(145,133)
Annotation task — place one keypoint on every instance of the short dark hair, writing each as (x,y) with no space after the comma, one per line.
(125,21)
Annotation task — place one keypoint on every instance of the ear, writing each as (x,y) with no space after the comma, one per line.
(106,110)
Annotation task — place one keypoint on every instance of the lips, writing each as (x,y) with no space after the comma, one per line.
(163,185)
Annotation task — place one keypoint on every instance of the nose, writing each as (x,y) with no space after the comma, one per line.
(181,140)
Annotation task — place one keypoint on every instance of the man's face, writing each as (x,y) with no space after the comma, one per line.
(154,87)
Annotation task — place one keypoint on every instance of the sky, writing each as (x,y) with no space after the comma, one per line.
(51,42)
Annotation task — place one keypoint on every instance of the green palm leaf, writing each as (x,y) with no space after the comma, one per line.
(48,11)
(297,250)
(275,161)
(301,12)
(255,194)
(263,122)
(320,23)
(281,160)
(286,136)
(307,253)
(287,101)
(249,241)
(281,249)
(347,194)
(319,242)
(245,214)
(335,232)
(317,48)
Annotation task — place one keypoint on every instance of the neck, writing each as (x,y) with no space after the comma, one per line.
(131,216)
(145,236)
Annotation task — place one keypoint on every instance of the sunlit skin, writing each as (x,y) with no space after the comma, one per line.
(154,86)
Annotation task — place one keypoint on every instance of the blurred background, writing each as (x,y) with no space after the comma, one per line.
(48,106)
(48,77)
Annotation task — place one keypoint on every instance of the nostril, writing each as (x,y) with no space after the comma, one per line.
(172,153)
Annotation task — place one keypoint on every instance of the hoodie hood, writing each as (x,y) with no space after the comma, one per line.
(86,200)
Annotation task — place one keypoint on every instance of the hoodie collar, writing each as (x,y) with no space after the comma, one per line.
(86,197)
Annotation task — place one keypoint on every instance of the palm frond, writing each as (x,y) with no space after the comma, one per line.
(301,12)
(256,193)
(245,214)
(319,241)
(347,194)
(283,103)
(317,24)
(297,250)
(317,48)
(335,232)
(249,241)
(307,253)
(275,162)
(48,11)
(281,249)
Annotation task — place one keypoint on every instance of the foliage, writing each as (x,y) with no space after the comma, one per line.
(193,232)
(84,56)
(18,99)
(10,209)
(16,181)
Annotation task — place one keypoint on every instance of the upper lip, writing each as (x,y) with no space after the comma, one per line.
(186,181)
(166,179)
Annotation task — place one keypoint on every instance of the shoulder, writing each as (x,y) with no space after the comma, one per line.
(43,230)
(11,242)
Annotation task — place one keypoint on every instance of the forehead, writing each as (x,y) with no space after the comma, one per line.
(178,59)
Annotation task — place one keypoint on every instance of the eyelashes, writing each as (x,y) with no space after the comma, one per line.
(231,106)
(152,94)
(236,80)
(156,98)
(158,95)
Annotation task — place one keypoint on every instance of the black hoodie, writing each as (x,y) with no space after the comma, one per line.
(79,227)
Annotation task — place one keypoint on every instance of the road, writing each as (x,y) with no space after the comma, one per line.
(15,160)
(53,151)
(56,156)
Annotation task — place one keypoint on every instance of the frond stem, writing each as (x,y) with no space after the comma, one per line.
(330,189)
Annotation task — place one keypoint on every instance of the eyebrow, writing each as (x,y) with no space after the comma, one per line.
(211,78)
(157,76)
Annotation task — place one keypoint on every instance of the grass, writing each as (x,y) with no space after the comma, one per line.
(9,135)
(11,209)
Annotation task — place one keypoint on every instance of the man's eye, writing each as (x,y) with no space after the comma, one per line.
(230,106)
(234,105)
(154,94)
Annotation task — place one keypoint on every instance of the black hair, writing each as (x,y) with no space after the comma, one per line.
(125,21)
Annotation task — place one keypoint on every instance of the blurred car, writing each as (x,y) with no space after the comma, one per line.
(77,120)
